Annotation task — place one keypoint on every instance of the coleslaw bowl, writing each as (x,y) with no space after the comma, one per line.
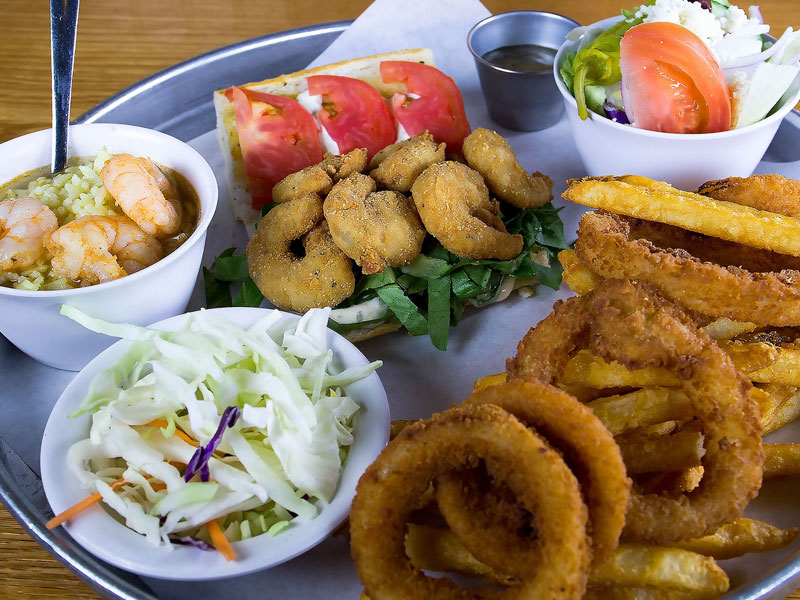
(110,540)
(31,319)
(683,160)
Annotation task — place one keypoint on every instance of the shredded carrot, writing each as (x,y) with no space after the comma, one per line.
(76,509)
(163,425)
(220,541)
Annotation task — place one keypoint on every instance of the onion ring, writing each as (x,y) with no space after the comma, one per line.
(608,246)
(629,322)
(455,439)
(491,531)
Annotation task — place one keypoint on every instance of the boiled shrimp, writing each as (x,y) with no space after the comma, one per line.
(143,193)
(94,249)
(453,203)
(492,156)
(375,229)
(25,224)
(322,277)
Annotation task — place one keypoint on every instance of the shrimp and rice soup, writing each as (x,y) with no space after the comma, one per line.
(101,218)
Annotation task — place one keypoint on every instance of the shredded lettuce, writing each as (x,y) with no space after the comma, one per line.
(244,425)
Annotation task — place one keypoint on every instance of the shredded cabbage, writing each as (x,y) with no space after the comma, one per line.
(279,462)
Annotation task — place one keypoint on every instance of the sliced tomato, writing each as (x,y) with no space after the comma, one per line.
(354,113)
(671,82)
(277,137)
(439,107)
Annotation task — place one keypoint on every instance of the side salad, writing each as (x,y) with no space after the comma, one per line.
(215,433)
(682,66)
(428,295)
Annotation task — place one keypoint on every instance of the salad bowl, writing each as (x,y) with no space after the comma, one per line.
(683,160)
(110,540)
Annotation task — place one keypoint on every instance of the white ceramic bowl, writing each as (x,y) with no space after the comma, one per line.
(683,160)
(111,541)
(31,320)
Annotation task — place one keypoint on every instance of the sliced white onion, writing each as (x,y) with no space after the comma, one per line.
(754,59)
(754,13)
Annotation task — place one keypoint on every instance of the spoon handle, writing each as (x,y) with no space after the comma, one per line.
(63,28)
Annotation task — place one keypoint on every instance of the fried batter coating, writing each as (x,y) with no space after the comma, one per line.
(491,155)
(322,277)
(397,166)
(375,229)
(774,193)
(454,205)
(319,178)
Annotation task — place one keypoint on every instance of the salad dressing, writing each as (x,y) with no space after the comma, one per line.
(525,58)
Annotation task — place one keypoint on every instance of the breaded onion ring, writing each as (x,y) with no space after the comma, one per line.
(459,438)
(610,246)
(491,155)
(323,277)
(375,229)
(453,203)
(630,323)
(774,193)
(588,448)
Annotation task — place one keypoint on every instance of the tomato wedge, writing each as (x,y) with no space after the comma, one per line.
(671,82)
(439,107)
(354,113)
(277,136)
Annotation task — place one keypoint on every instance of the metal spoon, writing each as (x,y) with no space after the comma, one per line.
(63,28)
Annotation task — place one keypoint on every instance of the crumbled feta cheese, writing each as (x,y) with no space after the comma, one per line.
(730,35)
(691,15)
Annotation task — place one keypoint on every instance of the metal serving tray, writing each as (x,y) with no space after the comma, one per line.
(178,101)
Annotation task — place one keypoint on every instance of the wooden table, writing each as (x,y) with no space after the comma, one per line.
(123,41)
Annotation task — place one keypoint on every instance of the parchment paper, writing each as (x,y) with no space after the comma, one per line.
(419,379)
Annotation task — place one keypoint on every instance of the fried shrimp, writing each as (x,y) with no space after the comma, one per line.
(397,166)
(94,249)
(143,193)
(454,205)
(25,224)
(319,178)
(323,276)
(492,156)
(375,229)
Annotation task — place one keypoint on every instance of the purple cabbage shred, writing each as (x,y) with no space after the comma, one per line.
(615,114)
(199,461)
(190,540)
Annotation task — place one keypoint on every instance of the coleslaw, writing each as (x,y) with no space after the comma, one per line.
(243,429)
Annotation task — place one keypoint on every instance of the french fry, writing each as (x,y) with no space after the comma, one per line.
(658,454)
(489,380)
(726,329)
(438,549)
(716,218)
(587,369)
(781,460)
(788,409)
(578,277)
(632,565)
(647,406)
(637,565)
(740,537)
